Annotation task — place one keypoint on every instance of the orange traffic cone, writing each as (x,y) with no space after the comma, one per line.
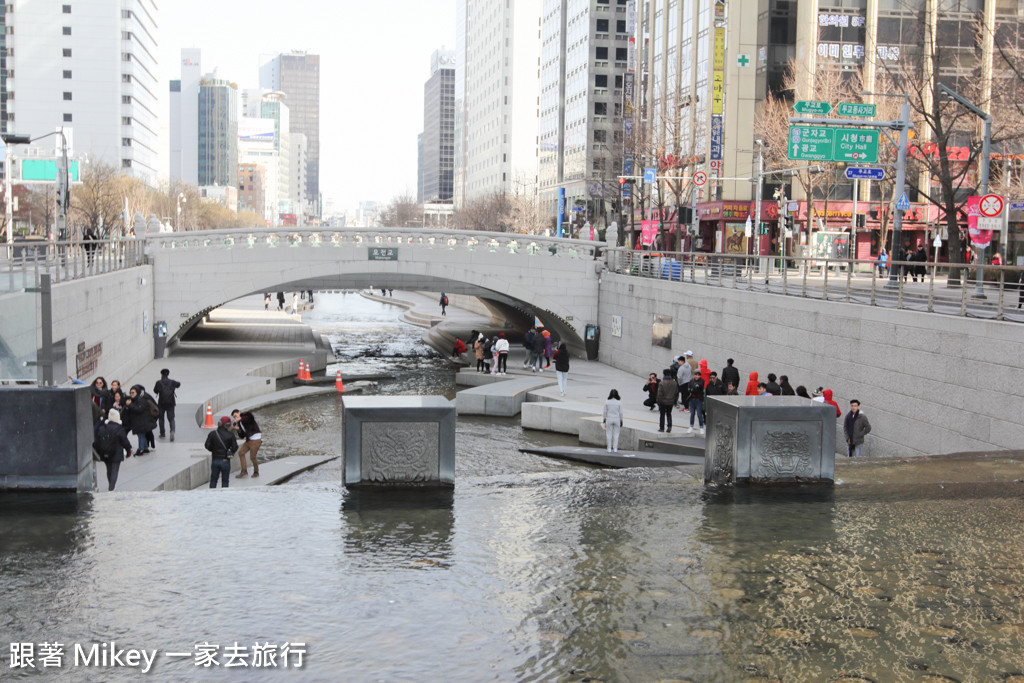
(305,374)
(208,424)
(300,376)
(338,384)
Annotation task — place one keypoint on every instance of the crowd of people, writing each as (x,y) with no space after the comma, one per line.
(117,413)
(687,383)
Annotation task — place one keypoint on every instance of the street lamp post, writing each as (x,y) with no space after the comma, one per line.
(9,140)
(758,192)
(901,179)
(986,149)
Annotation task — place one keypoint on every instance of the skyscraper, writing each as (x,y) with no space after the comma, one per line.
(218,132)
(184,111)
(437,146)
(297,74)
(497,58)
(89,67)
(584,57)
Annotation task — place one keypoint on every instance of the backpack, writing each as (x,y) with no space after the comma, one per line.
(444,301)
(153,409)
(106,440)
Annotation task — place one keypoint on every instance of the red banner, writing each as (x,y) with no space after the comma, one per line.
(648,231)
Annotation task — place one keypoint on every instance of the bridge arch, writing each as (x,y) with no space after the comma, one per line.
(554,279)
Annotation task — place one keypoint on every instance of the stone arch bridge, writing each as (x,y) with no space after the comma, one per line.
(554,279)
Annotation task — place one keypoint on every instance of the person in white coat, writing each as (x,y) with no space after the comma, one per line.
(612,420)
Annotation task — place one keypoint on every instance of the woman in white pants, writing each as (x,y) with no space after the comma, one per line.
(612,420)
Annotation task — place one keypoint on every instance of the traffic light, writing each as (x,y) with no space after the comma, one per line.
(622,180)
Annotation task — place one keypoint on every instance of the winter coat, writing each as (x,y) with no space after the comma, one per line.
(696,389)
(547,346)
(612,413)
(247,425)
(221,442)
(478,347)
(859,428)
(731,374)
(668,391)
(684,374)
(774,389)
(538,343)
(562,359)
(528,340)
(714,388)
(123,445)
(140,418)
(752,385)
(164,391)
(652,389)
(827,395)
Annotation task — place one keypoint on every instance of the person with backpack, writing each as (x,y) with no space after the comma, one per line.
(142,411)
(444,303)
(668,392)
(696,400)
(164,392)
(488,352)
(113,445)
(222,444)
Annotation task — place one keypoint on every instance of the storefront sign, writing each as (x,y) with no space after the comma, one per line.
(716,136)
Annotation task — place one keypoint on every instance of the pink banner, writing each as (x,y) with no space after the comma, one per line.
(648,231)
(979,238)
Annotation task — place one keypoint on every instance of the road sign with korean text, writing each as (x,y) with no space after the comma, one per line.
(812,107)
(856,109)
(810,143)
(855,145)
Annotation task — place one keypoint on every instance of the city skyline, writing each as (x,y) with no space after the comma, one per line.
(375,138)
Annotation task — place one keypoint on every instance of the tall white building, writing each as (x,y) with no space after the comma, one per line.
(497,59)
(184,117)
(88,65)
(584,59)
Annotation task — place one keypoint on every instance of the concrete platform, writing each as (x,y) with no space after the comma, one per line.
(600,456)
(503,399)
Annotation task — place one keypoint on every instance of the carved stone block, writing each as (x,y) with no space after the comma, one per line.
(768,439)
(399,440)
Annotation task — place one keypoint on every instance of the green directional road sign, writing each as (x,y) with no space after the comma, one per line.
(812,107)
(855,145)
(810,143)
(864,111)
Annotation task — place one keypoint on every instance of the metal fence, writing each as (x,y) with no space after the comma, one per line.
(904,285)
(22,263)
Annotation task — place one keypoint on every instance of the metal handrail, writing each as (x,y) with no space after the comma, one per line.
(854,281)
(23,262)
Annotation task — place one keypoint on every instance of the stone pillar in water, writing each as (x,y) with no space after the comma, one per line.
(769,439)
(398,441)
(46,438)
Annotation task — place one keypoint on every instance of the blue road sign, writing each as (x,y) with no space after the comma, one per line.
(853,172)
(649,175)
(903,204)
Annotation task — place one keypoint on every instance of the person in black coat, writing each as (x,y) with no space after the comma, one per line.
(562,366)
(164,392)
(113,445)
(652,391)
(222,444)
(730,374)
(141,411)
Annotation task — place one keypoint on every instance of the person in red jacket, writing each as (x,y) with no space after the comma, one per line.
(752,385)
(827,395)
(459,349)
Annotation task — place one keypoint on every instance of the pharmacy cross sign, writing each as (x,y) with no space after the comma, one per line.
(743,60)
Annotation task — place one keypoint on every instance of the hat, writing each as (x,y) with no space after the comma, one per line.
(688,353)
(114,416)
(165,372)
(502,335)
(225,420)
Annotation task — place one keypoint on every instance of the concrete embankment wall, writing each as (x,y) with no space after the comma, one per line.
(930,384)
(114,310)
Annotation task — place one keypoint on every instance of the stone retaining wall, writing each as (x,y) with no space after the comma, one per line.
(930,384)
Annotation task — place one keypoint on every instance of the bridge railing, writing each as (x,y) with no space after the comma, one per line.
(418,238)
(22,263)
(910,285)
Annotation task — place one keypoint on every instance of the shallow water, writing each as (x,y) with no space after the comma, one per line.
(529,570)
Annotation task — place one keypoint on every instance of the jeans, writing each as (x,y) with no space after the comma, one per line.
(537,360)
(222,467)
(143,443)
(666,416)
(611,432)
(167,410)
(855,450)
(697,406)
(563,377)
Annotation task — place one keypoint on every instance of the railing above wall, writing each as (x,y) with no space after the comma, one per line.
(919,286)
(22,263)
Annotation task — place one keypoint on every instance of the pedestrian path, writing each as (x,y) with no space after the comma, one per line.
(231,361)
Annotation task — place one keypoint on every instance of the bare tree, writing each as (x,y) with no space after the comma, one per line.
(491,212)
(96,202)
(402,212)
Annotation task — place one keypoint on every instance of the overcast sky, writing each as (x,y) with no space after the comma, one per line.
(374,60)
